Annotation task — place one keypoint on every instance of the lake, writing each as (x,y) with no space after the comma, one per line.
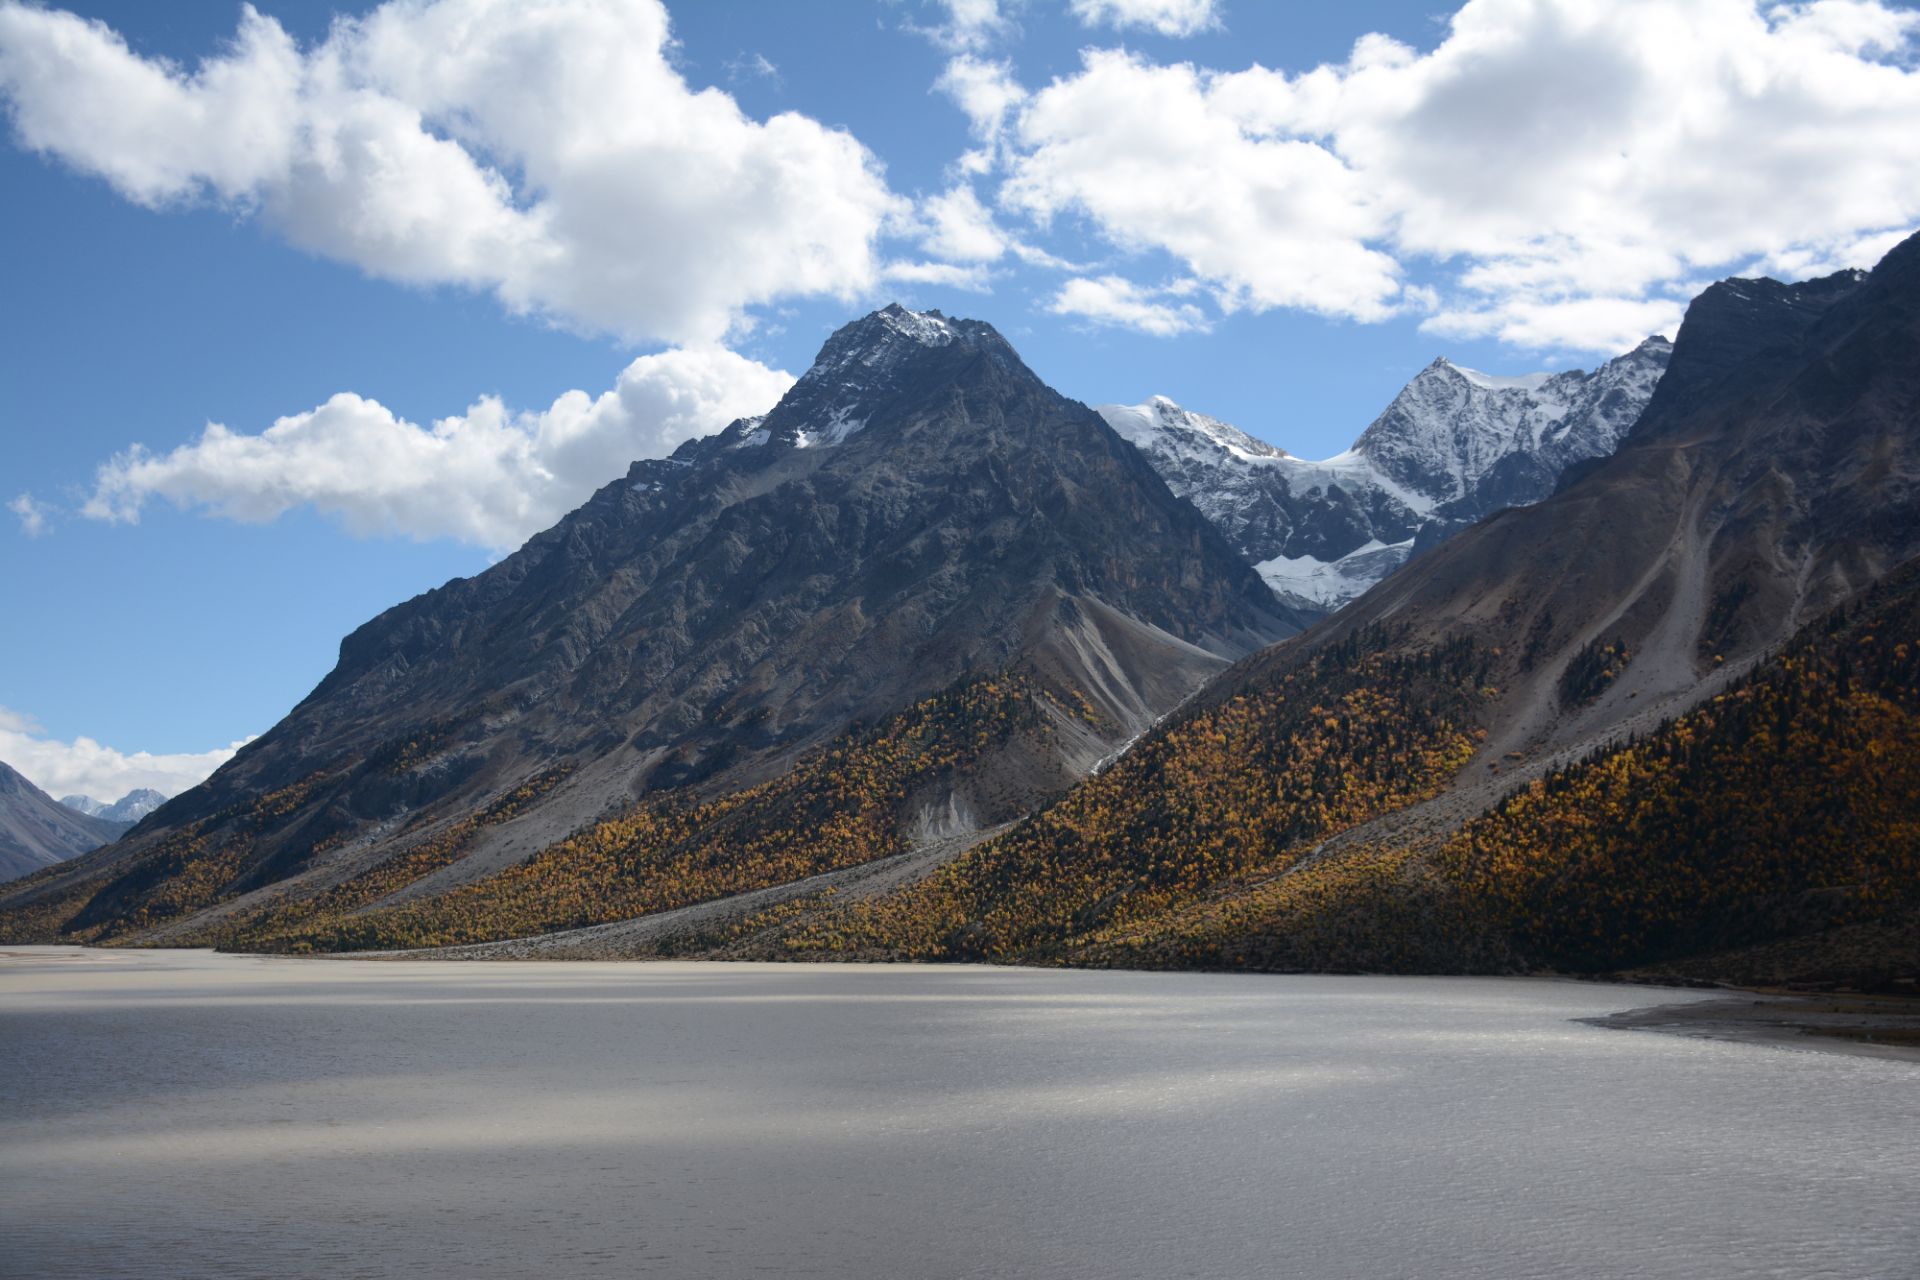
(180,1113)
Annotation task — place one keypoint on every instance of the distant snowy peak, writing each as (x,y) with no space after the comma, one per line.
(1161,425)
(1455,445)
(1451,428)
(1495,382)
(131,807)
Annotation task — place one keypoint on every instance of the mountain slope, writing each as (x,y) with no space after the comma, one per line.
(1454,446)
(36,831)
(1346,798)
(918,514)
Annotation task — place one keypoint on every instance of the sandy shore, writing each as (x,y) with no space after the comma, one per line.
(1860,1026)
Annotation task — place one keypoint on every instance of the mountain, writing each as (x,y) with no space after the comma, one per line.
(1454,446)
(1666,720)
(130,808)
(923,568)
(36,832)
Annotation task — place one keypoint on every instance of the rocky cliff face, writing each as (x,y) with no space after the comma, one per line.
(1454,446)
(919,511)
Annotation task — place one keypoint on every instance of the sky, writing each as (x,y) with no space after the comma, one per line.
(308,307)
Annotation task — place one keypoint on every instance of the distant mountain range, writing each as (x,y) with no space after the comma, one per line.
(36,832)
(1455,446)
(129,808)
(932,663)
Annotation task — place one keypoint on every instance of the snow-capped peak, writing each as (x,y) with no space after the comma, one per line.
(1454,445)
(861,369)
(131,807)
(928,328)
(1496,382)
(1451,426)
(1162,424)
(880,341)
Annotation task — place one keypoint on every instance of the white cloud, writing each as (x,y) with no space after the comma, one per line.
(546,151)
(1112,301)
(1599,324)
(32,512)
(969,26)
(748,66)
(85,767)
(1566,168)
(1168,17)
(973,278)
(489,476)
(985,90)
(1154,158)
(961,229)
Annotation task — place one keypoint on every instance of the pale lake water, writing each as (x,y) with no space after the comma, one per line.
(185,1114)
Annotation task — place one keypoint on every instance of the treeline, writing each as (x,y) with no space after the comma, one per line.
(186,872)
(843,805)
(212,858)
(259,928)
(1788,804)
(1253,782)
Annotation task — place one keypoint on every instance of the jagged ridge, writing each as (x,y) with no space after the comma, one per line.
(1454,446)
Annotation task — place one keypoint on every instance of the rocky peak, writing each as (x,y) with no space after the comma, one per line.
(866,366)
(1734,318)
(1455,445)
(1452,429)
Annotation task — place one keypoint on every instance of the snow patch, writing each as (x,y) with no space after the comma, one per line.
(1329,584)
(928,328)
(1501,382)
(840,424)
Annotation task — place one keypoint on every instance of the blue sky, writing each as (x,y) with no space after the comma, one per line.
(1172,199)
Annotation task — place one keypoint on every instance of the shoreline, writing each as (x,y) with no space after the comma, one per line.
(1859,1026)
(1851,1025)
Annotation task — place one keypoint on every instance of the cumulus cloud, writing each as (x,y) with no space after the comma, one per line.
(983,88)
(1168,17)
(1569,170)
(546,151)
(1119,303)
(85,767)
(1148,154)
(489,476)
(961,229)
(32,513)
(966,25)
(973,278)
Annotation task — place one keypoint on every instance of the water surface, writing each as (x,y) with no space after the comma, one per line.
(186,1114)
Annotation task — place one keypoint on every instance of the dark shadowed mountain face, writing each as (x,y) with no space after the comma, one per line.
(36,831)
(919,510)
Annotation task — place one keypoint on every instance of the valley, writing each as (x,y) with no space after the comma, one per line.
(930,663)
